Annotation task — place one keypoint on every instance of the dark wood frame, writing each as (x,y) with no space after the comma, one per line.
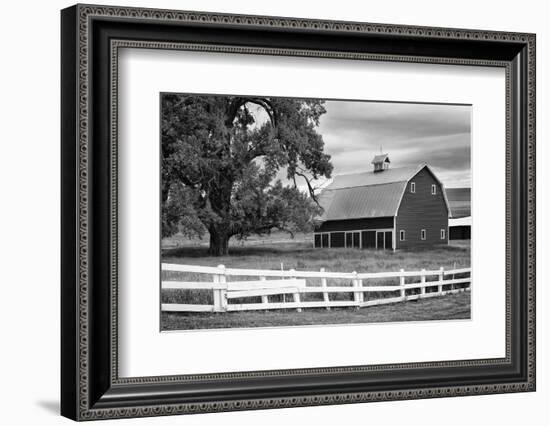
(90,386)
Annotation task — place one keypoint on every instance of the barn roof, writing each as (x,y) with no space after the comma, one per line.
(401,174)
(463,221)
(459,201)
(366,195)
(361,201)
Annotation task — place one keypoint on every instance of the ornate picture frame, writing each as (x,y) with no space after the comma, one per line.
(91,37)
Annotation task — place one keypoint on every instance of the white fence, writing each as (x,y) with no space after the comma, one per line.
(292,283)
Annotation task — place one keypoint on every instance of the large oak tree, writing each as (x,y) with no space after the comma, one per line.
(219,164)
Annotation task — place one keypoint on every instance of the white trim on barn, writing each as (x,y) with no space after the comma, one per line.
(352,231)
(394,233)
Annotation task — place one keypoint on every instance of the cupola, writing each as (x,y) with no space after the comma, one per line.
(381,162)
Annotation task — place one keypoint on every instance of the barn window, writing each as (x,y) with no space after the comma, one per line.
(434,189)
(401,235)
(442,234)
(413,187)
(422,234)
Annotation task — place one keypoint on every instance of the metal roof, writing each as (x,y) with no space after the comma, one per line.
(459,201)
(361,201)
(401,174)
(367,195)
(463,221)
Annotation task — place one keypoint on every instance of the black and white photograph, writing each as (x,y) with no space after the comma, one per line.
(297,212)
(266,209)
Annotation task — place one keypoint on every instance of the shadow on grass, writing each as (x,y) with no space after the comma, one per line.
(193,252)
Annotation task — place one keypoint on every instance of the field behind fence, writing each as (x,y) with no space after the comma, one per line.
(221,289)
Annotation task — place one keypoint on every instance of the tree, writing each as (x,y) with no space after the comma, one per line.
(219,163)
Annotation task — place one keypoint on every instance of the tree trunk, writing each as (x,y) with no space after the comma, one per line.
(219,241)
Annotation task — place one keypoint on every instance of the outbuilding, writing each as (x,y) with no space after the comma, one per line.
(386,208)
(460,221)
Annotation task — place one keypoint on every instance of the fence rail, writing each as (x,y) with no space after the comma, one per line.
(293,284)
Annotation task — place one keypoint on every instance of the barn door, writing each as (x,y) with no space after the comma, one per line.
(388,240)
(356,240)
(353,239)
(384,240)
(380,240)
(317,239)
(368,239)
(349,240)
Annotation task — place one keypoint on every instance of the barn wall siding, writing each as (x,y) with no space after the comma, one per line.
(422,210)
(356,224)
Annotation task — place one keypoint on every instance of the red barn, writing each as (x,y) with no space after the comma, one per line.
(384,209)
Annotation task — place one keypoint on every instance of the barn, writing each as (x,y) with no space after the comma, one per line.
(386,208)
(460,221)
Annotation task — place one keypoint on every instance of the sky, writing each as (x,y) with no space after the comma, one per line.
(411,134)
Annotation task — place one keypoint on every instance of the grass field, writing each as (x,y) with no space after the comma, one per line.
(455,306)
(299,255)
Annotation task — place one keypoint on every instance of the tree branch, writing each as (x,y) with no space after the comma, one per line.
(309,186)
(238,102)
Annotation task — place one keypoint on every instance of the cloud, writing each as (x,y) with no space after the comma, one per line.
(411,134)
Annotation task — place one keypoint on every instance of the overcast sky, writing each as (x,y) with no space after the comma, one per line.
(410,133)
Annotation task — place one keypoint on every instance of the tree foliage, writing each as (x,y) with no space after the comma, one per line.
(219,165)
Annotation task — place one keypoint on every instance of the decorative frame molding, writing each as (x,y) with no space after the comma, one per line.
(91,388)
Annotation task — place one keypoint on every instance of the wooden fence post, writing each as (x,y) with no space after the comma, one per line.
(264,298)
(297,294)
(324,286)
(402,284)
(440,286)
(423,281)
(453,277)
(220,295)
(357,294)
(216,294)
